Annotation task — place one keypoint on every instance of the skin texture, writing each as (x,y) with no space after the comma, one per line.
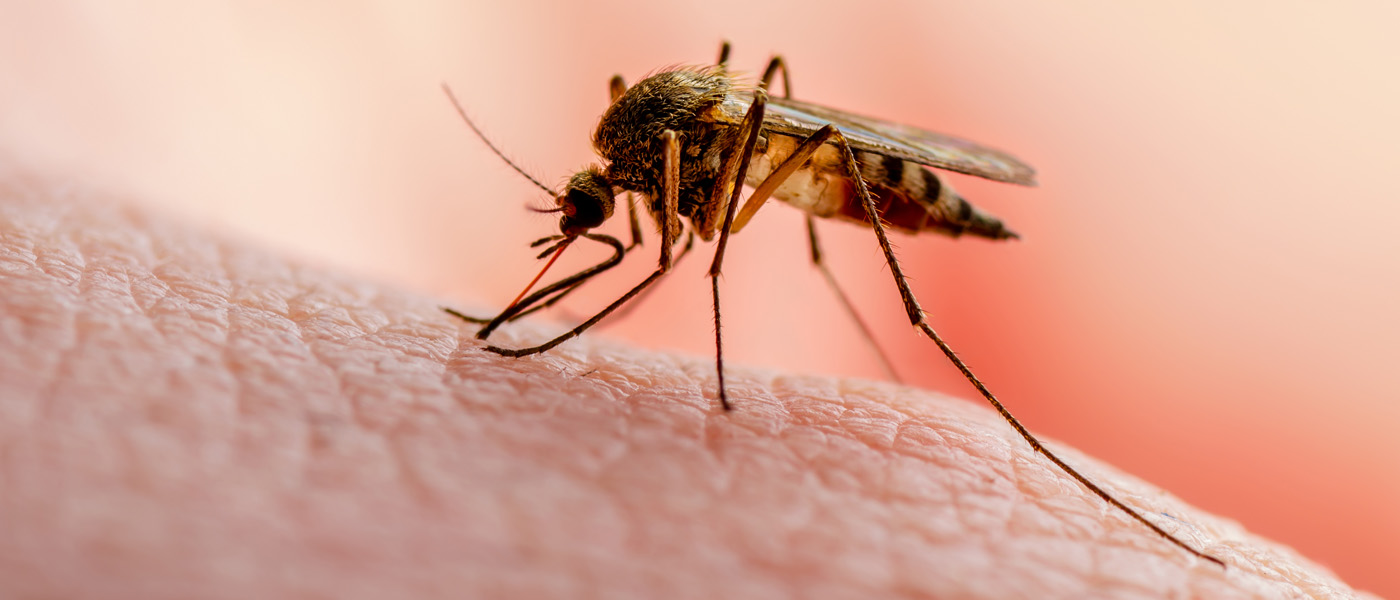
(186,416)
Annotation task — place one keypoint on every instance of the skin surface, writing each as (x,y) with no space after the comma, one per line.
(1203,293)
(186,416)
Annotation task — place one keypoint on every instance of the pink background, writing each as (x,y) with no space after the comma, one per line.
(1205,295)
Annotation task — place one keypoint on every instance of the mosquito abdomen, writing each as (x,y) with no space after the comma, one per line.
(908,196)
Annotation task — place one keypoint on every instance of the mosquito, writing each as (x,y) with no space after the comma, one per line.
(688,140)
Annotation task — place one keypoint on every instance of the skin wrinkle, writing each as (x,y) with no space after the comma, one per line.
(252,428)
(852,427)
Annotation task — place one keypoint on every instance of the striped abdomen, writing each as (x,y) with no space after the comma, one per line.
(908,196)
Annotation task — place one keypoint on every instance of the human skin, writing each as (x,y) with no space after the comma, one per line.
(186,416)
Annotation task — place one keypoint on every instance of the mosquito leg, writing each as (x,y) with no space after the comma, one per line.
(671,202)
(513,312)
(573,333)
(567,284)
(919,320)
(734,222)
(634,225)
(794,162)
(774,64)
(689,243)
(622,313)
(465,317)
(616,88)
(734,170)
(865,332)
(522,306)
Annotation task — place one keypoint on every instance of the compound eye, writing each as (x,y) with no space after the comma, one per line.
(582,211)
(587,202)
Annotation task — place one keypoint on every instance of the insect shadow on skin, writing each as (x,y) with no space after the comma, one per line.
(688,140)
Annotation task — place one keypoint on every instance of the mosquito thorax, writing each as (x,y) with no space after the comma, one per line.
(587,201)
(631,128)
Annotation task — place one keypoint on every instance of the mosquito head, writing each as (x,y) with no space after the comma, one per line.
(587,201)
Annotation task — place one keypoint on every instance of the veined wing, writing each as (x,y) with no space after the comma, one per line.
(795,118)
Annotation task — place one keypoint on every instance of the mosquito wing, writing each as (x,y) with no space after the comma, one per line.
(791,117)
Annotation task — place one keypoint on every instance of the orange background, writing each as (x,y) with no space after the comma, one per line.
(1205,295)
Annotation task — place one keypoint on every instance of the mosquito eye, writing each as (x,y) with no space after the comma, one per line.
(587,202)
(586,213)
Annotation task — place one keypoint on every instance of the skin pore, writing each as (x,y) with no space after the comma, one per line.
(186,416)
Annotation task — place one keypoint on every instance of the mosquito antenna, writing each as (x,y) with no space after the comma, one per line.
(558,251)
(461,111)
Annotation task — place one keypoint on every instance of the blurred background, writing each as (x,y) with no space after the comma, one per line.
(1206,291)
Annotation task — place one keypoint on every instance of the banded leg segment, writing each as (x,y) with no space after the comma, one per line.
(735,169)
(919,320)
